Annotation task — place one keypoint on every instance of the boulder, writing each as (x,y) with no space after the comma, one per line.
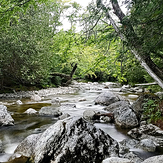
(18,102)
(116,105)
(30,111)
(5,117)
(155,159)
(117,160)
(70,140)
(148,145)
(107,98)
(125,117)
(65,115)
(35,97)
(90,115)
(151,132)
(50,111)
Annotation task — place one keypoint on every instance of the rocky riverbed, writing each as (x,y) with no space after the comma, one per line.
(85,122)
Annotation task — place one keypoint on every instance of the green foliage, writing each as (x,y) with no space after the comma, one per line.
(151,110)
(9,10)
(26,46)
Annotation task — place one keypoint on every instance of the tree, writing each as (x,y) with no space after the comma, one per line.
(128,33)
(25,53)
(10,9)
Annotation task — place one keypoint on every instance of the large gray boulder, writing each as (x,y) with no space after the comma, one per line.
(70,140)
(155,159)
(116,105)
(125,117)
(107,98)
(5,117)
(50,111)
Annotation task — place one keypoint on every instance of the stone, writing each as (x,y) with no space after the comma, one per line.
(56,101)
(155,159)
(150,131)
(65,115)
(148,145)
(1,147)
(50,111)
(89,115)
(116,105)
(117,160)
(30,111)
(72,139)
(106,98)
(5,117)
(125,117)
(35,97)
(18,102)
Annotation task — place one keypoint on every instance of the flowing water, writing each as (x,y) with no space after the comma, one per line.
(26,125)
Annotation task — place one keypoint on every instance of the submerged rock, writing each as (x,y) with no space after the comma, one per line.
(70,140)
(5,117)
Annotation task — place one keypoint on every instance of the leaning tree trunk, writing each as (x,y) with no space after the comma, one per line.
(130,36)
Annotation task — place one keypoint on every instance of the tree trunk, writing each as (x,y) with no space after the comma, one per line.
(130,36)
(67,77)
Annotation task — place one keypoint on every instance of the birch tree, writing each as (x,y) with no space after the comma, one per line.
(128,34)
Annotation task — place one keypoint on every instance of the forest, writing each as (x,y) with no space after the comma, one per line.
(103,43)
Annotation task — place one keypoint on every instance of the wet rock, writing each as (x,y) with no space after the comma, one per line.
(133,96)
(130,143)
(1,147)
(106,119)
(56,101)
(116,105)
(127,88)
(5,117)
(133,157)
(125,117)
(159,94)
(151,132)
(155,159)
(30,111)
(107,98)
(89,115)
(117,160)
(148,145)
(71,139)
(27,147)
(35,97)
(50,111)
(65,115)
(18,102)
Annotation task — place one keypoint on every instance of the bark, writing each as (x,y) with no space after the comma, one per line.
(67,77)
(130,36)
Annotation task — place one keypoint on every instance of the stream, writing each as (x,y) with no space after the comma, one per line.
(26,125)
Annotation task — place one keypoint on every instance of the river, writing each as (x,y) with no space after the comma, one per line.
(26,125)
